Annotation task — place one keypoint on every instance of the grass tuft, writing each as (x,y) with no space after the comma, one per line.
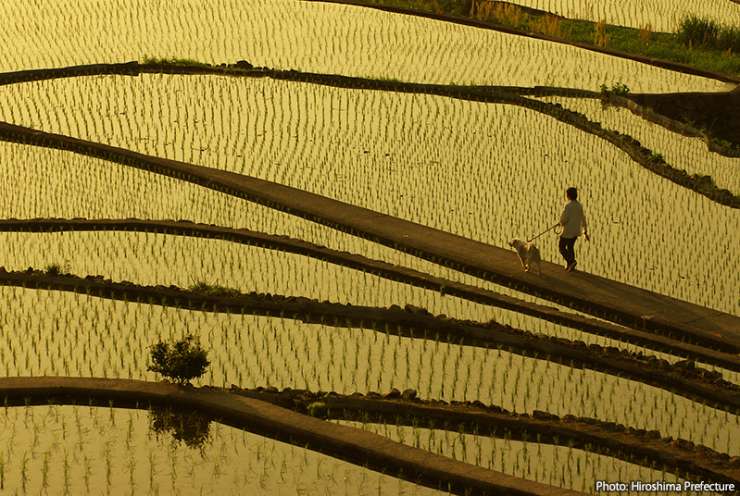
(174,61)
(694,31)
(213,289)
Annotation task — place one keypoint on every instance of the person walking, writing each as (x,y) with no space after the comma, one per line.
(573,222)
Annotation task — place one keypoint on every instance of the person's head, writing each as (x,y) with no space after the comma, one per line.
(571,193)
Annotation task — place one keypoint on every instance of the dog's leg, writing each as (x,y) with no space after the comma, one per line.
(521,261)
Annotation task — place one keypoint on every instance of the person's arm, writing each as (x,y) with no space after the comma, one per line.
(585,227)
(564,217)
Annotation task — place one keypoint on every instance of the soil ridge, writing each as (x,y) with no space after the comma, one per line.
(589,293)
(511,95)
(682,378)
(346,443)
(386,270)
(633,445)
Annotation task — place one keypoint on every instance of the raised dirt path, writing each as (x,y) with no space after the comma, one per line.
(638,446)
(589,293)
(340,441)
(386,270)
(510,95)
(682,378)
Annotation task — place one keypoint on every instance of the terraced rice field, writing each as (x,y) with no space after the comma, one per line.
(488,172)
(682,152)
(353,42)
(51,450)
(465,158)
(327,358)
(661,15)
(553,465)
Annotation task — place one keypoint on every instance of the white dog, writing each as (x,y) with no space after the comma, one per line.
(528,254)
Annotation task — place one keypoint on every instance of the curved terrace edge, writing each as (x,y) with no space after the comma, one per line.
(251,414)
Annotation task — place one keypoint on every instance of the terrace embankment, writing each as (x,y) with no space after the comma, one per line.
(647,448)
(715,113)
(385,270)
(682,378)
(467,21)
(510,95)
(710,116)
(251,414)
(611,300)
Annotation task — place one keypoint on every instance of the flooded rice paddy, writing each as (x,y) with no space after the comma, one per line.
(489,172)
(554,465)
(509,163)
(353,42)
(660,15)
(74,450)
(74,336)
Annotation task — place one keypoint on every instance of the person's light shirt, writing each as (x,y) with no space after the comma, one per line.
(573,220)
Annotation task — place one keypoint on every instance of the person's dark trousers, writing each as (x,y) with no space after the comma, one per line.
(567,249)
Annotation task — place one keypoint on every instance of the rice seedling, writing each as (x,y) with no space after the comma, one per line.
(431,374)
(278,119)
(477,150)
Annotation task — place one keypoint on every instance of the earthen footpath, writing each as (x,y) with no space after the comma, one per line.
(588,293)
(639,446)
(682,378)
(510,95)
(343,442)
(386,270)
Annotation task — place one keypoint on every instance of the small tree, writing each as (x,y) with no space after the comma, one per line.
(182,360)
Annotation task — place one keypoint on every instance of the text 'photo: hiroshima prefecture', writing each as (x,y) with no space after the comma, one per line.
(369,247)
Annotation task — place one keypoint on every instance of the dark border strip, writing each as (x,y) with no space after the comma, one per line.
(346,443)
(663,64)
(704,185)
(385,270)
(587,292)
(639,446)
(683,378)
(684,129)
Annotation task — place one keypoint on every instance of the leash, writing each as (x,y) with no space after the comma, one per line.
(543,232)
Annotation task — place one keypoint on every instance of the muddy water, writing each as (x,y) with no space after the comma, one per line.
(94,450)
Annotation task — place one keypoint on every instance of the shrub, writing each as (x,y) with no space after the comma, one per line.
(617,88)
(728,39)
(53,269)
(182,360)
(56,269)
(698,31)
(213,289)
